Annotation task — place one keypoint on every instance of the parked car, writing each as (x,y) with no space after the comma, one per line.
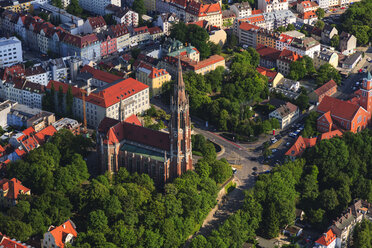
(254,173)
(288,144)
(274,150)
(254,168)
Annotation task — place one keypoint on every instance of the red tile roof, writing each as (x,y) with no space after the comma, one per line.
(97,22)
(42,135)
(13,71)
(6,242)
(80,41)
(268,52)
(338,108)
(254,19)
(28,131)
(108,96)
(60,232)
(119,29)
(327,238)
(328,117)
(267,72)
(256,12)
(308,15)
(2,149)
(155,30)
(325,87)
(200,9)
(14,188)
(201,23)
(133,119)
(289,55)
(141,30)
(101,75)
(248,27)
(330,134)
(20,152)
(193,65)
(116,131)
(300,145)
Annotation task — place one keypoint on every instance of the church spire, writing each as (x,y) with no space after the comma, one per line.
(180,89)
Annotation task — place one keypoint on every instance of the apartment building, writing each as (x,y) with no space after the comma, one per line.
(98,6)
(328,32)
(123,15)
(152,77)
(165,21)
(278,18)
(285,59)
(10,51)
(196,11)
(248,34)
(324,57)
(16,6)
(22,91)
(285,114)
(347,43)
(272,5)
(116,100)
(307,46)
(96,77)
(241,9)
(307,6)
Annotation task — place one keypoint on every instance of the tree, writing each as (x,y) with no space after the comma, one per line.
(320,24)
(291,27)
(362,236)
(309,186)
(97,222)
(199,242)
(69,101)
(281,29)
(57,3)
(320,13)
(302,101)
(335,41)
(329,200)
(139,7)
(232,41)
(74,8)
(327,72)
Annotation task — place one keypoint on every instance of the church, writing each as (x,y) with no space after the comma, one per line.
(163,156)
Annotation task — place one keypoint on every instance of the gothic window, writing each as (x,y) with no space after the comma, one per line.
(113,160)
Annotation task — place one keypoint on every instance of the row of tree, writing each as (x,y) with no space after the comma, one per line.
(59,103)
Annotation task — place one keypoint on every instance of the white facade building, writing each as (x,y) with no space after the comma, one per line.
(278,18)
(98,6)
(10,51)
(241,9)
(24,92)
(285,114)
(272,5)
(307,46)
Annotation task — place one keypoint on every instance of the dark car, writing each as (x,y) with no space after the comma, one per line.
(254,168)
(254,173)
(253,159)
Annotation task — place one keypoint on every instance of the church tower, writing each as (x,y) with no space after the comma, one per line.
(180,129)
(366,96)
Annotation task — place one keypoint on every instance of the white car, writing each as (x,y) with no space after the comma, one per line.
(357,83)
(274,150)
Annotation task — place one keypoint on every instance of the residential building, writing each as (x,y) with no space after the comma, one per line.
(268,56)
(163,6)
(211,12)
(327,89)
(108,44)
(7,242)
(177,48)
(128,94)
(155,33)
(307,46)
(283,41)
(22,91)
(228,18)
(98,78)
(10,51)
(256,19)
(152,77)
(122,35)
(347,43)
(165,21)
(267,38)
(294,34)
(324,4)
(5,108)
(325,56)
(94,25)
(200,67)
(98,6)
(123,15)
(242,9)
(285,114)
(306,6)
(21,116)
(328,32)
(309,17)
(163,156)
(10,190)
(61,15)
(247,34)
(139,35)
(37,74)
(16,6)
(327,240)
(272,5)
(87,46)
(351,61)
(274,78)
(178,7)
(58,237)
(278,18)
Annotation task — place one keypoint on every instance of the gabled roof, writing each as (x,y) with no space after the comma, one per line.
(327,238)
(97,22)
(289,55)
(267,72)
(331,134)
(300,145)
(100,75)
(338,108)
(155,30)
(42,135)
(308,15)
(14,188)
(6,242)
(268,52)
(80,41)
(200,9)
(119,29)
(325,87)
(327,116)
(60,232)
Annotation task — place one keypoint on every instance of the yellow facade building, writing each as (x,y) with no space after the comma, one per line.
(152,77)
